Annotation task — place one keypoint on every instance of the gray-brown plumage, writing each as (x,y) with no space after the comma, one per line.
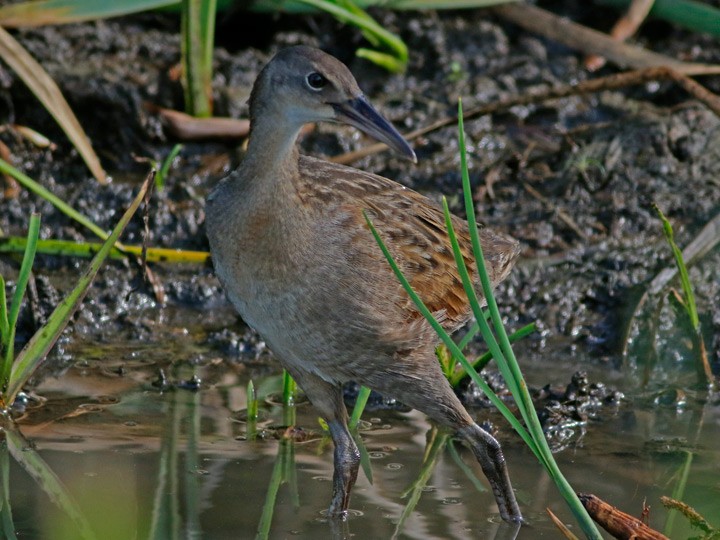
(292,249)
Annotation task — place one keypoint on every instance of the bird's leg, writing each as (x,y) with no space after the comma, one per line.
(490,456)
(327,398)
(347,463)
(433,395)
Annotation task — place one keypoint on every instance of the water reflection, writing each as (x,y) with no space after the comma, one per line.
(176,464)
(15,445)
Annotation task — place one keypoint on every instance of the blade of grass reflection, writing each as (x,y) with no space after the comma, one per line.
(465,468)
(192,463)
(166,507)
(276,478)
(436,442)
(364,456)
(290,475)
(8,526)
(284,469)
(49,482)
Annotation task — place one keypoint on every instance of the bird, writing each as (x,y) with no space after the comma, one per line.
(292,249)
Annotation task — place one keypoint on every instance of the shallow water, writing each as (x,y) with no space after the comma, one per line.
(141,462)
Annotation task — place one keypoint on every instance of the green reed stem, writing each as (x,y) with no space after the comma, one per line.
(252,411)
(9,320)
(702,365)
(164,169)
(505,359)
(359,407)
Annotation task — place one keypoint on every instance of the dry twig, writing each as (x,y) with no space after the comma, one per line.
(184,127)
(561,526)
(570,222)
(611,82)
(616,522)
(589,41)
(625,27)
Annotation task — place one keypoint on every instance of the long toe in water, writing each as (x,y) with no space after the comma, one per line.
(291,246)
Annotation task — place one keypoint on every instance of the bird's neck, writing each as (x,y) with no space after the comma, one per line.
(272,155)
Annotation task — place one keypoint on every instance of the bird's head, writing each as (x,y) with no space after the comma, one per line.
(304,84)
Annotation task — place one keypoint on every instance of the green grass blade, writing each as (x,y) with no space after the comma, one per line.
(469,287)
(522,397)
(47,92)
(450,344)
(289,389)
(365,23)
(688,294)
(296,6)
(25,269)
(164,169)
(508,366)
(31,185)
(198,35)
(353,7)
(30,460)
(471,333)
(22,281)
(288,398)
(40,13)
(702,365)
(484,359)
(153,254)
(4,325)
(384,60)
(252,412)
(70,248)
(37,348)
(359,407)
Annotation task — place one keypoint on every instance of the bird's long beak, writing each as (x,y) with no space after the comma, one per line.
(359,113)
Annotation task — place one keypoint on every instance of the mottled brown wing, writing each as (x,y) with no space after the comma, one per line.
(413,228)
(415,233)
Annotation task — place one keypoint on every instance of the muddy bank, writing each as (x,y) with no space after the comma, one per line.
(598,160)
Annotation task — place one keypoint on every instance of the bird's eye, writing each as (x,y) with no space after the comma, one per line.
(316,81)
